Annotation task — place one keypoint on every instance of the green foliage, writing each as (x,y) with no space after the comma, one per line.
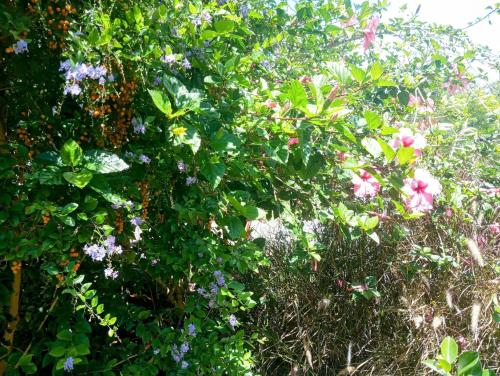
(140,140)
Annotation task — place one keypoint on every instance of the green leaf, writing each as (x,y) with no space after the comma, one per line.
(252,212)
(161,101)
(69,208)
(191,138)
(297,94)
(213,172)
(376,70)
(449,350)
(373,120)
(388,151)
(79,179)
(405,155)
(71,153)
(433,364)
(234,227)
(57,351)
(104,162)
(224,26)
(65,335)
(358,73)
(208,34)
(467,362)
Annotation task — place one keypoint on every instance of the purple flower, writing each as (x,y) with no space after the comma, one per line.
(96,252)
(177,357)
(196,21)
(157,81)
(244,10)
(130,154)
(221,2)
(109,272)
(219,278)
(181,166)
(206,43)
(68,364)
(65,65)
(73,90)
(102,81)
(190,180)
(136,221)
(115,206)
(184,347)
(139,127)
(111,78)
(192,330)
(82,70)
(206,16)
(109,242)
(20,47)
(144,159)
(202,292)
(186,64)
(219,260)
(168,59)
(184,364)
(214,289)
(232,321)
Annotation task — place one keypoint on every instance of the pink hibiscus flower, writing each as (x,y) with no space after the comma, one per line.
(365,185)
(406,138)
(369,32)
(420,191)
(292,141)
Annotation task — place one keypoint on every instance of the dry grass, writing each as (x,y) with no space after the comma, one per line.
(314,327)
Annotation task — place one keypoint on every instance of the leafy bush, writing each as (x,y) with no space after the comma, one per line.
(141,141)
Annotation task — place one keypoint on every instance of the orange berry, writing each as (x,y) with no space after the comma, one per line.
(9,50)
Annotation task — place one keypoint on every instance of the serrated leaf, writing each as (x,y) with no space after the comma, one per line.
(405,155)
(297,94)
(373,120)
(376,70)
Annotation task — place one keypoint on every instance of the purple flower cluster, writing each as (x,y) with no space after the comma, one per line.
(219,278)
(232,321)
(192,330)
(144,159)
(168,59)
(109,272)
(190,180)
(129,204)
(214,288)
(178,353)
(20,47)
(138,125)
(244,11)
(68,364)
(186,64)
(136,222)
(74,74)
(98,252)
(181,166)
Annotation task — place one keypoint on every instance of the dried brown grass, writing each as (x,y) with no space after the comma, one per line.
(312,326)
